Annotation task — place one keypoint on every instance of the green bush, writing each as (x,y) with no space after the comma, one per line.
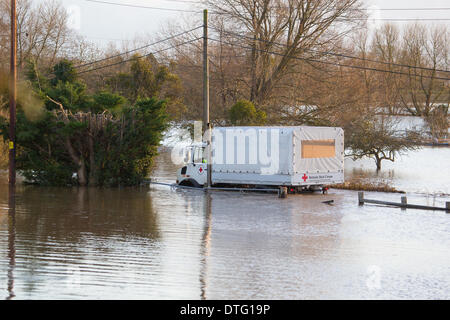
(126,158)
(244,113)
(102,138)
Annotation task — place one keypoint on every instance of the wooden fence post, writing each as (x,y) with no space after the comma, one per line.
(360,198)
(404,202)
(282,193)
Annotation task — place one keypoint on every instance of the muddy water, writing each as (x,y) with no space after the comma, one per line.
(158,243)
(425,171)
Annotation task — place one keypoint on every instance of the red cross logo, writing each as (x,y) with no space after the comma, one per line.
(200,170)
(305,177)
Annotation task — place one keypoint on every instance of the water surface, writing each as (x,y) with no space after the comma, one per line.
(158,243)
(425,171)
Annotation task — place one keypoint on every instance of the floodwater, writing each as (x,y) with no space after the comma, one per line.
(424,171)
(158,243)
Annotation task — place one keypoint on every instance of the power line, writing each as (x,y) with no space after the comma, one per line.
(335,54)
(140,57)
(212,12)
(326,62)
(105,39)
(186,1)
(381,9)
(410,9)
(7,34)
(395,19)
(141,7)
(140,48)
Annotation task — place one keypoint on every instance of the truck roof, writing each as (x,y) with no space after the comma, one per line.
(277,127)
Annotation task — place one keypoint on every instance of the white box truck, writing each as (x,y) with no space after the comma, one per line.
(302,158)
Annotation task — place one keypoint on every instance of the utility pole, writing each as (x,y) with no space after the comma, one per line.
(12,97)
(206,123)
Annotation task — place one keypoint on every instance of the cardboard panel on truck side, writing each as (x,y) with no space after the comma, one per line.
(318,149)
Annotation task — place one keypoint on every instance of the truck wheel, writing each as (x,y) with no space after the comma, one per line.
(190,183)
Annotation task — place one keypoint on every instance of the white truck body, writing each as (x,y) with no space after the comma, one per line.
(300,156)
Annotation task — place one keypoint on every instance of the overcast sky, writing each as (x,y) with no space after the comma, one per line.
(103,23)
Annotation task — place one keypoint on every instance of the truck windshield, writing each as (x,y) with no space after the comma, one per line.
(198,155)
(187,156)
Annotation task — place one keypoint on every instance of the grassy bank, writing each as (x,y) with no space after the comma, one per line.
(364,185)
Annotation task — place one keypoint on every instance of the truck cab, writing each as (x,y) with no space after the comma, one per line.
(194,172)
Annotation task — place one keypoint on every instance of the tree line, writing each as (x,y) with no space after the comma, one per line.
(273,62)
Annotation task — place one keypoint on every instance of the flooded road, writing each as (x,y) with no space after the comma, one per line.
(158,243)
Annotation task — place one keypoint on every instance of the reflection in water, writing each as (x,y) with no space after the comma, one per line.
(206,245)
(158,243)
(67,242)
(74,213)
(11,240)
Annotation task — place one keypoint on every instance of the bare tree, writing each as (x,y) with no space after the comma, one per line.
(386,48)
(379,139)
(421,92)
(43,35)
(288,28)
